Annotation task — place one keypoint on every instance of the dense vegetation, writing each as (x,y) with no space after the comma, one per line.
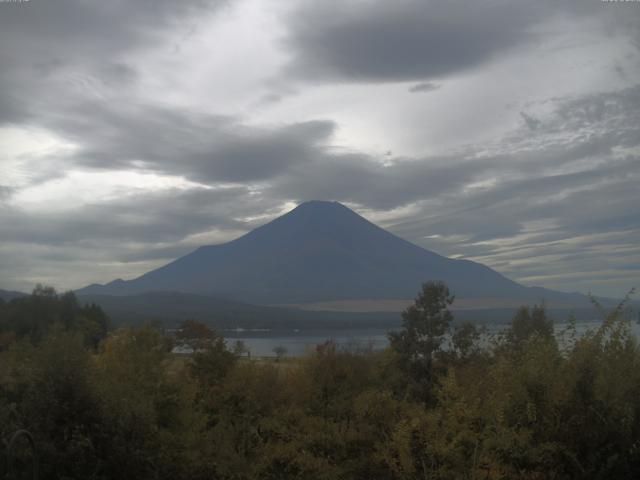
(443,402)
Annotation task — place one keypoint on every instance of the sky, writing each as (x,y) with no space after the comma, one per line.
(505,132)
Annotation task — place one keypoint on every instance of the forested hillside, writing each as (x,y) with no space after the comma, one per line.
(443,401)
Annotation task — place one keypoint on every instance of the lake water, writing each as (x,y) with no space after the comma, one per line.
(261,343)
(301,342)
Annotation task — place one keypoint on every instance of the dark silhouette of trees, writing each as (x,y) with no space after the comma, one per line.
(465,340)
(524,405)
(211,360)
(425,325)
(33,316)
(280,352)
(528,322)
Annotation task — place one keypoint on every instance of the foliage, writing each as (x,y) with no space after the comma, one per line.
(425,324)
(280,352)
(525,406)
(466,341)
(33,316)
(528,322)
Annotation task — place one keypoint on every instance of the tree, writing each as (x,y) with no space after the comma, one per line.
(425,324)
(195,335)
(466,340)
(280,352)
(55,402)
(528,322)
(240,348)
(211,359)
(146,402)
(34,315)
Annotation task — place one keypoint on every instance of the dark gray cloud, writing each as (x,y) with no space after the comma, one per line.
(530,121)
(71,72)
(413,40)
(576,174)
(561,187)
(147,217)
(362,180)
(587,148)
(383,41)
(256,155)
(74,31)
(563,213)
(582,135)
(570,172)
(201,147)
(124,237)
(54,47)
(424,87)
(5,192)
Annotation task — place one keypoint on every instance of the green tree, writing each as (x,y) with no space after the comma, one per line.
(240,348)
(528,322)
(211,360)
(466,339)
(33,316)
(280,352)
(150,426)
(425,325)
(50,390)
(196,335)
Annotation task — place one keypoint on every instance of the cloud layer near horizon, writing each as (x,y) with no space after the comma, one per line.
(506,133)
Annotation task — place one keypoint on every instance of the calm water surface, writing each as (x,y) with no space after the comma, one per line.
(261,343)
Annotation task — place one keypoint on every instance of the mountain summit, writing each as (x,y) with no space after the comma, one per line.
(320,251)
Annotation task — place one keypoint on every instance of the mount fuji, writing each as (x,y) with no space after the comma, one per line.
(323,252)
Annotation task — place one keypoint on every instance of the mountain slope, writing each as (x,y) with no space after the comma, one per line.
(10,295)
(170,308)
(320,251)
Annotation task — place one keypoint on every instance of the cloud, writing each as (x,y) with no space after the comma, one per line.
(410,40)
(121,237)
(575,175)
(5,192)
(69,49)
(556,192)
(424,87)
(159,216)
(577,171)
(530,121)
(203,148)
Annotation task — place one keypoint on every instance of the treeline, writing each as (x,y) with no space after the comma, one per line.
(32,317)
(523,404)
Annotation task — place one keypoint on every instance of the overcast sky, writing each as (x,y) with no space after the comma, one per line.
(506,132)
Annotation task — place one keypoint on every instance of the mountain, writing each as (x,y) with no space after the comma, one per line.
(320,252)
(170,308)
(10,295)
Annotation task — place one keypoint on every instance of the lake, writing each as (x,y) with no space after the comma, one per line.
(261,343)
(300,342)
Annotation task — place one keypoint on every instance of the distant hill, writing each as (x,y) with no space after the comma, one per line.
(323,252)
(10,295)
(169,308)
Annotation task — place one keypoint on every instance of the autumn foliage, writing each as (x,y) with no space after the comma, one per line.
(445,401)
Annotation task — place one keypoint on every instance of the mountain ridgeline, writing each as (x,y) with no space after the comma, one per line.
(7,295)
(318,252)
